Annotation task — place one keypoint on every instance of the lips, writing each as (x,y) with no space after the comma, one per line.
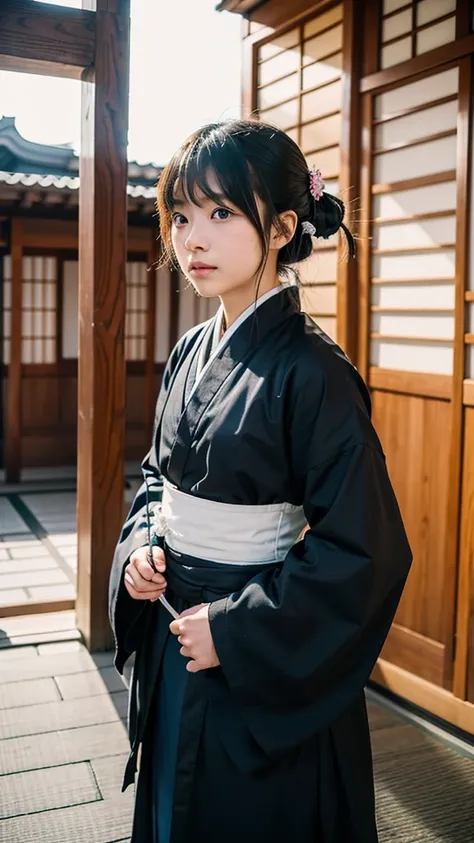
(197,265)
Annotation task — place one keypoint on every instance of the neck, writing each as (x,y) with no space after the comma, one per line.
(235,302)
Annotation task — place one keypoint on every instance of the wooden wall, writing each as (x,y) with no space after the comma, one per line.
(408,127)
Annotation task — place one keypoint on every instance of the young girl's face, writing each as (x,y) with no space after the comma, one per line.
(217,247)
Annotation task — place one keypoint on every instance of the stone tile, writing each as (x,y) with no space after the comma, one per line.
(97,822)
(43,790)
(60,647)
(31,692)
(19,566)
(43,623)
(37,550)
(53,592)
(34,578)
(56,716)
(70,745)
(109,774)
(90,683)
(11,597)
(14,653)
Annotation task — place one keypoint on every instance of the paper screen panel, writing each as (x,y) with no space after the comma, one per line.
(282,65)
(429,233)
(321,133)
(275,93)
(395,53)
(413,296)
(403,130)
(327,324)
(396,25)
(39,310)
(470,281)
(281,42)
(322,72)
(389,6)
(323,21)
(422,160)
(425,325)
(439,264)
(427,90)
(430,10)
(162,314)
(322,101)
(421,200)
(7,307)
(435,36)
(411,356)
(284,116)
(322,45)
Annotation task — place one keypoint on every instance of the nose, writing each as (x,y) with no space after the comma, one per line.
(196,240)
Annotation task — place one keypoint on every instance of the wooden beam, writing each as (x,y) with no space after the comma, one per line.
(102,263)
(349,180)
(12,430)
(46,39)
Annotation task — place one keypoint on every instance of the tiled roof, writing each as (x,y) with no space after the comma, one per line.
(66,182)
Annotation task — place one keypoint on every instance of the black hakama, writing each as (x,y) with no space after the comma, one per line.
(273,745)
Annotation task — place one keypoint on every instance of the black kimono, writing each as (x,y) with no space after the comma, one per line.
(273,745)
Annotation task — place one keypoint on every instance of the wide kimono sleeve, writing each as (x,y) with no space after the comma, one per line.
(297,644)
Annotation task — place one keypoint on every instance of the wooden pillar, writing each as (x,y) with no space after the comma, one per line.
(12,430)
(150,397)
(347,284)
(102,261)
(174,307)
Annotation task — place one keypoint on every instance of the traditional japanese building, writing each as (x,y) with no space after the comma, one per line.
(39,197)
(379,95)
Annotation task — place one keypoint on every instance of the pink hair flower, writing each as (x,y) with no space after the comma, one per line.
(316,184)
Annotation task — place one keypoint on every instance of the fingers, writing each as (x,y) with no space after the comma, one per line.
(140,559)
(175,627)
(141,595)
(140,588)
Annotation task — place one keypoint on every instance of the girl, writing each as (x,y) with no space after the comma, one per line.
(278,538)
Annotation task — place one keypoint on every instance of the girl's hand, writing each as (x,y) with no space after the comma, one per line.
(194,634)
(140,579)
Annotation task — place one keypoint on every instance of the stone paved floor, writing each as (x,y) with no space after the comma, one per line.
(38,539)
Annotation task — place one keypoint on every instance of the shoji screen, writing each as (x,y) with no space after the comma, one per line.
(299,90)
(137,302)
(39,309)
(412,28)
(413,234)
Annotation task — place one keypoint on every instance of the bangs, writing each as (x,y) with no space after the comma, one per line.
(190,173)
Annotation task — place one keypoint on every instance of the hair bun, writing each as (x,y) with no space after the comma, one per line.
(328,218)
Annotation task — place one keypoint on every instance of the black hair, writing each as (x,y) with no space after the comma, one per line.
(251,159)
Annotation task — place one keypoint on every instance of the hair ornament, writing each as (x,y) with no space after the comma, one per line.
(316,184)
(308,228)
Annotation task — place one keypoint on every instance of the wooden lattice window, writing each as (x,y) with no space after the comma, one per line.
(411,28)
(39,309)
(136,314)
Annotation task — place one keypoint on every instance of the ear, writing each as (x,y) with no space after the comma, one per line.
(282,234)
